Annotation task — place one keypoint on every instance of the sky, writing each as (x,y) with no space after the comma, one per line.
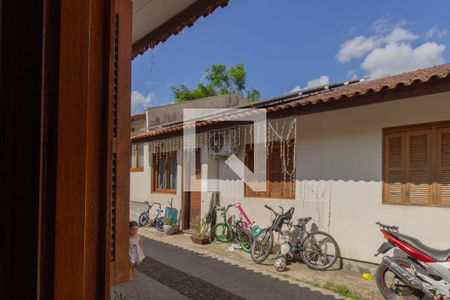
(286,45)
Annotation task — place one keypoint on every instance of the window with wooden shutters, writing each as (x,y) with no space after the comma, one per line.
(417,165)
(443,166)
(280,184)
(165,172)
(137,157)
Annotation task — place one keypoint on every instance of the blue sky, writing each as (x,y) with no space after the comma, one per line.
(289,44)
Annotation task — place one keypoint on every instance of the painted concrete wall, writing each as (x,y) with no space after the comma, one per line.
(138,126)
(340,174)
(141,187)
(338,177)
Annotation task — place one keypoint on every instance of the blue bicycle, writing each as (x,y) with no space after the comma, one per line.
(152,218)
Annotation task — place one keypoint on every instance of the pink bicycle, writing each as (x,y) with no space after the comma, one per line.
(247,223)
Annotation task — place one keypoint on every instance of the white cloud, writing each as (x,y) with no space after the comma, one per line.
(399,34)
(395,58)
(435,32)
(391,50)
(322,80)
(139,102)
(356,47)
(381,25)
(295,89)
(360,46)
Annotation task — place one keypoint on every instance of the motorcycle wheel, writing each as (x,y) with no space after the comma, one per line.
(143,219)
(262,246)
(392,287)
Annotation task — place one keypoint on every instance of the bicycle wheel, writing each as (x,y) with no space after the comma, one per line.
(262,246)
(223,232)
(143,219)
(319,250)
(159,224)
(244,238)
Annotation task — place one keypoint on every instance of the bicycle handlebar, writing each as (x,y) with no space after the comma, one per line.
(270,208)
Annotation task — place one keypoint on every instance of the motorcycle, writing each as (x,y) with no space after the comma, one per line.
(421,271)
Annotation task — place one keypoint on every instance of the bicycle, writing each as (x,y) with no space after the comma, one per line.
(157,220)
(263,243)
(318,249)
(227,231)
(247,223)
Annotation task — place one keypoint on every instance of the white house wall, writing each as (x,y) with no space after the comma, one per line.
(340,165)
(141,183)
(338,177)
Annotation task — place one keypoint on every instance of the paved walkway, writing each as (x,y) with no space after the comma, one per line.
(239,281)
(142,287)
(346,282)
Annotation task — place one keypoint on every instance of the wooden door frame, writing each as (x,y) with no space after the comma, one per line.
(187,194)
(58,78)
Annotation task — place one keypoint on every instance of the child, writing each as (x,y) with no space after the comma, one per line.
(135,252)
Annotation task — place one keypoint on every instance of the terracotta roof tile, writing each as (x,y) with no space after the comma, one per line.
(372,86)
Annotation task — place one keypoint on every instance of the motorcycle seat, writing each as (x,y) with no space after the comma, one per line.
(438,255)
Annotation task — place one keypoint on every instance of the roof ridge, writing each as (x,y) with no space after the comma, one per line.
(370,86)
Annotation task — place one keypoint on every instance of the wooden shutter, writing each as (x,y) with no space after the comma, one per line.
(443,166)
(417,164)
(419,167)
(394,179)
(276,183)
(289,183)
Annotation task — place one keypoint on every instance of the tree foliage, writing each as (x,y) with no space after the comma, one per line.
(221,80)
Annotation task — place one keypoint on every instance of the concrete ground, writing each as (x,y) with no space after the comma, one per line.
(143,287)
(347,283)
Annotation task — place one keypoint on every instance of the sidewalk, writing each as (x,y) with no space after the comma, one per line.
(225,280)
(347,283)
(142,287)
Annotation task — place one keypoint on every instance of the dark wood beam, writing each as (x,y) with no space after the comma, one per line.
(173,26)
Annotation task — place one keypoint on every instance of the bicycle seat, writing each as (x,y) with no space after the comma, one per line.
(287,216)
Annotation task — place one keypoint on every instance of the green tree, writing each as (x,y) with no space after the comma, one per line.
(221,80)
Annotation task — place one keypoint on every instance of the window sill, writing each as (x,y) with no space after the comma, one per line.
(268,198)
(165,191)
(415,204)
(136,169)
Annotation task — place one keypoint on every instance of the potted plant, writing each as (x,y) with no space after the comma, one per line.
(200,227)
(170,227)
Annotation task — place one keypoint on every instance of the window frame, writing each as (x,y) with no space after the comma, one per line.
(138,163)
(166,176)
(248,193)
(402,131)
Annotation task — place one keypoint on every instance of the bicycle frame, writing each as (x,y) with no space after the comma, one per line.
(247,223)
(150,211)
(223,213)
